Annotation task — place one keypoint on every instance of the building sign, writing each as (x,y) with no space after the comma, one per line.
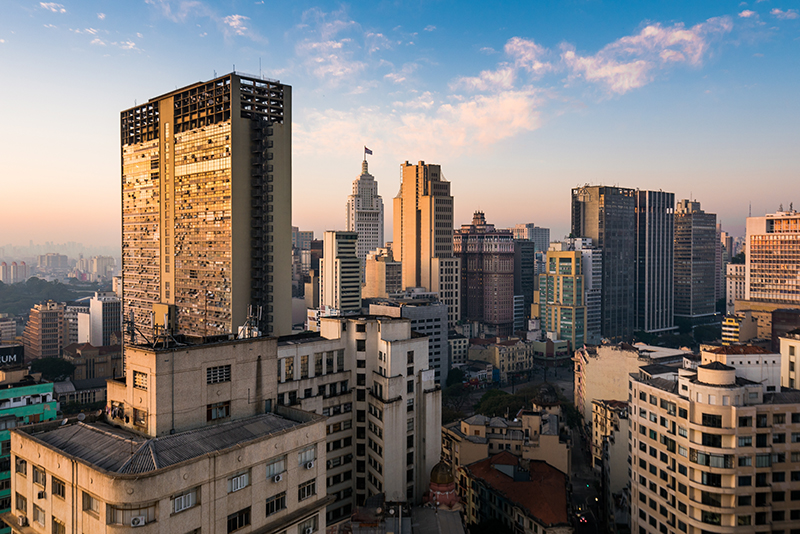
(11,355)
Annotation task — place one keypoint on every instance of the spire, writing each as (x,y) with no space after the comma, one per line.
(364,166)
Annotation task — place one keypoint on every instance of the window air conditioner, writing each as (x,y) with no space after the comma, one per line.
(138,521)
(41,495)
(310,465)
(22,521)
(309,530)
(277,478)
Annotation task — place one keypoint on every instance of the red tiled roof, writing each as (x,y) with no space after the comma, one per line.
(738,349)
(544,496)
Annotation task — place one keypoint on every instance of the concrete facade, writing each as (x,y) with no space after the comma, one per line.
(382,274)
(365,214)
(340,273)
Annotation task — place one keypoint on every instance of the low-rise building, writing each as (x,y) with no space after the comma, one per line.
(509,356)
(752,362)
(739,327)
(459,348)
(94,362)
(526,496)
(790,356)
(610,459)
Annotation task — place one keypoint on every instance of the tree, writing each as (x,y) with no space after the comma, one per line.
(499,403)
(572,417)
(450,415)
(739,259)
(53,369)
(455,376)
(455,396)
(707,333)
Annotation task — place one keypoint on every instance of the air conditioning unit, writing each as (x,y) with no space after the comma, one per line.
(310,465)
(277,478)
(138,521)
(309,530)
(22,521)
(41,495)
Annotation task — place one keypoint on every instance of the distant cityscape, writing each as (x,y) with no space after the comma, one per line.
(227,370)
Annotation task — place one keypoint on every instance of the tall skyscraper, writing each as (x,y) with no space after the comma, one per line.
(340,278)
(695,263)
(654,271)
(561,295)
(206,206)
(487,275)
(525,282)
(531,232)
(365,214)
(105,316)
(607,215)
(772,272)
(46,332)
(423,234)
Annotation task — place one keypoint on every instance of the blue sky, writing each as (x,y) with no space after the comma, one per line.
(518,101)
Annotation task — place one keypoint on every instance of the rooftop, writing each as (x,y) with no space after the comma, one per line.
(717,366)
(657,369)
(119,451)
(735,349)
(544,496)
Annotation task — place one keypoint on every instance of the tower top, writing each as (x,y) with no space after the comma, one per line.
(364,169)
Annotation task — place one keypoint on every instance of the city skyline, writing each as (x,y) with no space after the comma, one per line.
(692,99)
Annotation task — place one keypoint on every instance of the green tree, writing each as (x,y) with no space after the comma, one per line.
(52,369)
(499,403)
(739,259)
(455,376)
(449,415)
(707,333)
(572,417)
(455,396)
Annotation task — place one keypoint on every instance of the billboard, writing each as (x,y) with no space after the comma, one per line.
(11,355)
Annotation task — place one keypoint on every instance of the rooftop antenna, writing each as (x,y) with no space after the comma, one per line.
(750,211)
(259,66)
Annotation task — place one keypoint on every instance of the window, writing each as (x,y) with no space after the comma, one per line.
(184,501)
(20,466)
(361,345)
(745,422)
(59,489)
(140,380)
(410,386)
(239,519)
(21,503)
(309,524)
(743,520)
(221,373)
(289,368)
(745,441)
(38,515)
(307,455)
(306,490)
(276,503)
(39,476)
(122,515)
(219,410)
(712,420)
(139,417)
(237,482)
(90,504)
(276,466)
(59,527)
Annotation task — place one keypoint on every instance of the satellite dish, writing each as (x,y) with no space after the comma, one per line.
(81,416)
(64,422)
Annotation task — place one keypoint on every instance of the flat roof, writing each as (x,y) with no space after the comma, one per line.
(119,451)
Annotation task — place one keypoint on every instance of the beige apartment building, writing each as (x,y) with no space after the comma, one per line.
(46,332)
(790,352)
(190,442)
(371,377)
(382,274)
(713,451)
(537,433)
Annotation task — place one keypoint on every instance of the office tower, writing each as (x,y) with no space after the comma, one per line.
(655,227)
(734,283)
(340,273)
(383,276)
(302,238)
(190,441)
(695,265)
(206,207)
(487,275)
(607,216)
(371,377)
(711,450)
(105,315)
(525,281)
(423,234)
(772,272)
(428,317)
(531,232)
(365,214)
(46,332)
(561,294)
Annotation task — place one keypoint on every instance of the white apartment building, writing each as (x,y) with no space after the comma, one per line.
(371,377)
(734,285)
(340,273)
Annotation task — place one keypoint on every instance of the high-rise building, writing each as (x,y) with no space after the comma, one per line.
(382,274)
(365,214)
(487,275)
(46,332)
(734,283)
(423,234)
(561,295)
(711,449)
(695,264)
(18,272)
(8,329)
(772,272)
(530,232)
(206,206)
(654,270)
(73,315)
(5,273)
(302,238)
(608,216)
(105,313)
(340,278)
(525,281)
(371,377)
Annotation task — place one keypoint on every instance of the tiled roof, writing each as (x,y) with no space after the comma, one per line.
(544,496)
(737,349)
(119,451)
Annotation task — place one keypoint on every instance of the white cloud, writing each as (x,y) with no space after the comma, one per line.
(487,50)
(403,74)
(101,16)
(98,41)
(630,62)
(376,41)
(236,23)
(430,28)
(527,54)
(488,80)
(784,15)
(746,14)
(90,31)
(50,26)
(2,41)
(330,59)
(52,6)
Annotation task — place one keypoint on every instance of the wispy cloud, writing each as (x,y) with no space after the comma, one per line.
(631,61)
(784,15)
(430,28)
(746,14)
(403,74)
(101,16)
(52,6)
(237,23)
(527,55)
(98,41)
(326,53)
(183,11)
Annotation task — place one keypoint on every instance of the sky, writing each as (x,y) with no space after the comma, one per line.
(517,101)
